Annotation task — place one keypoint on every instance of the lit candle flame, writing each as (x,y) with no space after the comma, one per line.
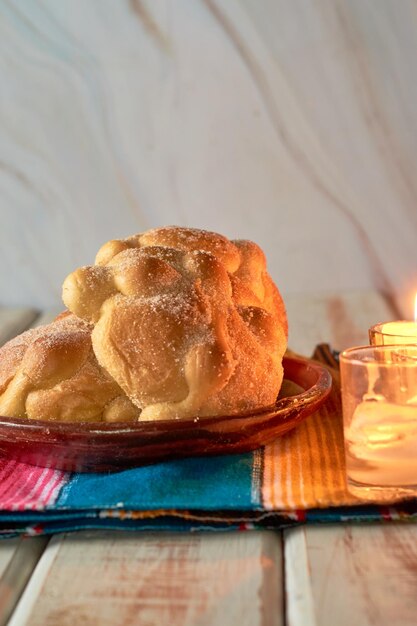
(415,309)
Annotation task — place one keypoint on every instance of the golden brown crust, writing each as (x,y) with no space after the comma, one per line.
(178,238)
(186,321)
(51,373)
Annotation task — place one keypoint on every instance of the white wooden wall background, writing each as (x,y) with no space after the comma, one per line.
(291,122)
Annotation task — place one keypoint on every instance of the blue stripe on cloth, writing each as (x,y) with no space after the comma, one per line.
(170,524)
(61,522)
(210,483)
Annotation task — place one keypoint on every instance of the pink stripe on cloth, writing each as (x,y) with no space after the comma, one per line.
(28,487)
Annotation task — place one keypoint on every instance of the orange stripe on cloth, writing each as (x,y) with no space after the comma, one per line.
(306,468)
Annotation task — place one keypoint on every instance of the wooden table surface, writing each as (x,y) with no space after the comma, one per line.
(333,575)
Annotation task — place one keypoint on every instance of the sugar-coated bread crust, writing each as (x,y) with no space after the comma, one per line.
(51,373)
(187,322)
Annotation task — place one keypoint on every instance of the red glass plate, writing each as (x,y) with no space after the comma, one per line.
(98,447)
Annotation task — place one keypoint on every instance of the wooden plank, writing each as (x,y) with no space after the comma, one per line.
(107,578)
(300,601)
(26,554)
(364,575)
(7,549)
(360,574)
(24,609)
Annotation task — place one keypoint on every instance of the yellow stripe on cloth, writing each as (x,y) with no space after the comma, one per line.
(306,468)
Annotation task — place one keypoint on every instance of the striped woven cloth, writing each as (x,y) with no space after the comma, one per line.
(306,469)
(299,478)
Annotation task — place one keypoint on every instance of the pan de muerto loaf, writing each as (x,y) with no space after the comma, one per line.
(187,322)
(51,372)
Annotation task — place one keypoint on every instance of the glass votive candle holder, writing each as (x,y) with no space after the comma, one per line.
(393,333)
(379,397)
